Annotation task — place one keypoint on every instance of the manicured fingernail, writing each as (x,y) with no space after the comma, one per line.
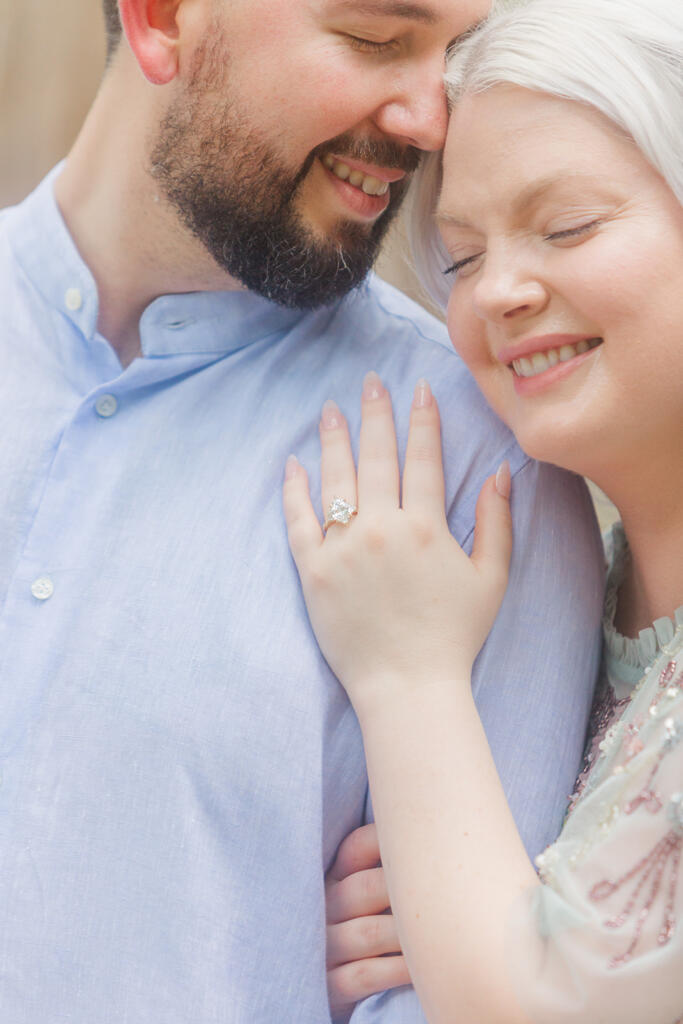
(504,480)
(331,416)
(291,467)
(423,394)
(372,387)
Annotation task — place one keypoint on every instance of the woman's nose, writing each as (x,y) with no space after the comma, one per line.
(506,291)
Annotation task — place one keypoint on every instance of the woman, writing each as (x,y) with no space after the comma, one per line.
(561,214)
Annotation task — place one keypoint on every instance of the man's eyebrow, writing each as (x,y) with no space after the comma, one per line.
(407,9)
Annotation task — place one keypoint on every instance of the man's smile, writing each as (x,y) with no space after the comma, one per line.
(374,181)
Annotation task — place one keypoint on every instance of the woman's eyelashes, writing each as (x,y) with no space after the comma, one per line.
(566,234)
(459,265)
(582,229)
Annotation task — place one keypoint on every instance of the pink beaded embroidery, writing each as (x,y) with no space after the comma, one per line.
(661,865)
(606,710)
(652,868)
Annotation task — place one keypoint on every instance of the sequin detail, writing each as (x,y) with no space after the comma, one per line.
(657,870)
(647,797)
(605,712)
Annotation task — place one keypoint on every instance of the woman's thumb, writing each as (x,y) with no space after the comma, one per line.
(492,546)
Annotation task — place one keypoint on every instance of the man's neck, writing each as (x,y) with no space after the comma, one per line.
(128,235)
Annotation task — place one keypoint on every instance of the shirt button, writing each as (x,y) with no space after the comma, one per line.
(73,299)
(106,406)
(43,589)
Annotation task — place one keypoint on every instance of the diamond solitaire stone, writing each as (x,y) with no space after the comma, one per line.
(340,512)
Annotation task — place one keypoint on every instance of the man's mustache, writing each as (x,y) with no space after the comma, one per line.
(381,152)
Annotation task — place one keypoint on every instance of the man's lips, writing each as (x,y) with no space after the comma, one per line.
(388,174)
(366,207)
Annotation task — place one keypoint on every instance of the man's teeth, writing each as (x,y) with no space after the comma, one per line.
(539,362)
(371,186)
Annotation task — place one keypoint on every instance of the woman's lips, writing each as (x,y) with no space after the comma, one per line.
(553,375)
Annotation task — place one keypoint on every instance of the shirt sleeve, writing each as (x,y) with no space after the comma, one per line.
(604,930)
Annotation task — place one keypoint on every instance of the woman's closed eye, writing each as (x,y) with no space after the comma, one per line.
(459,265)
(563,235)
(570,233)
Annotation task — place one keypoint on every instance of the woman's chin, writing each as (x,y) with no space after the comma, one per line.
(560,445)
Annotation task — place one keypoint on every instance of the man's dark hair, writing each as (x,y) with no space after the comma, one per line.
(112,24)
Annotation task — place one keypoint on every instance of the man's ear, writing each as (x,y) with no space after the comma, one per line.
(152,32)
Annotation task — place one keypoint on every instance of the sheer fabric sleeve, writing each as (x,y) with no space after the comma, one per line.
(602,937)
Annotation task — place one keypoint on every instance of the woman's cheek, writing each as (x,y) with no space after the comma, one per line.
(465,331)
(468,336)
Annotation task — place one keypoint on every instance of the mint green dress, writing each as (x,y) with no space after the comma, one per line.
(606,927)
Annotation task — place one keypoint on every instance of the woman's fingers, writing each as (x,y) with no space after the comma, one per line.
(359,895)
(360,938)
(492,547)
(423,483)
(337,469)
(378,474)
(349,983)
(303,528)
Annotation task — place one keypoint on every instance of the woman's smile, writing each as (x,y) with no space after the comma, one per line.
(540,362)
(567,280)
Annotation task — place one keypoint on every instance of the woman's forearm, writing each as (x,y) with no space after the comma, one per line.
(454,860)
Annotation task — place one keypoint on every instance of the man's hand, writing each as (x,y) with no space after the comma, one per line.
(363,949)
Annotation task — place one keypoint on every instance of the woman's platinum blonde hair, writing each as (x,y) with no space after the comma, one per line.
(622,57)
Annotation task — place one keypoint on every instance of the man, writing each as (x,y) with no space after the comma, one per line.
(179,765)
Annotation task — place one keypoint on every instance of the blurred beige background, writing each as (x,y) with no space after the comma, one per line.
(51,60)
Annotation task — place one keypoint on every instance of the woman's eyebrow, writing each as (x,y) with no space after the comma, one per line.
(448,218)
(533,194)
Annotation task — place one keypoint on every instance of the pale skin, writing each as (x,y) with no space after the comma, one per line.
(546,245)
(302,73)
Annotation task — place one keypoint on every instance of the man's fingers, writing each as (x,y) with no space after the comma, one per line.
(303,528)
(358,895)
(349,983)
(337,468)
(378,474)
(423,483)
(492,547)
(360,938)
(358,852)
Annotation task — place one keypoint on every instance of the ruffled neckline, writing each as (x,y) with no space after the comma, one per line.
(628,657)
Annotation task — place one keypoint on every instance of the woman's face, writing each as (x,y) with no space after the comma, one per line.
(567,300)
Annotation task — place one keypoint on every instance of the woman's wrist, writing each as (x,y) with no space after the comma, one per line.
(384,695)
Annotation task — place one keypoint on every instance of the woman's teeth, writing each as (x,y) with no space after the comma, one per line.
(371,186)
(539,362)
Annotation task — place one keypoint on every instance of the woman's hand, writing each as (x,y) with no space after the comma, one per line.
(392,598)
(360,932)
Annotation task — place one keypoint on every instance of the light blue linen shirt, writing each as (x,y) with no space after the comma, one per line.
(178,765)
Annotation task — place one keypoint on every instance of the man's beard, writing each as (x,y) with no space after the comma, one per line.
(234,194)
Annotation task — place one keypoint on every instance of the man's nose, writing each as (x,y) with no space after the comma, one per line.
(417,115)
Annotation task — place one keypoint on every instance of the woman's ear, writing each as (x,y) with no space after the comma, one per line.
(151,28)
